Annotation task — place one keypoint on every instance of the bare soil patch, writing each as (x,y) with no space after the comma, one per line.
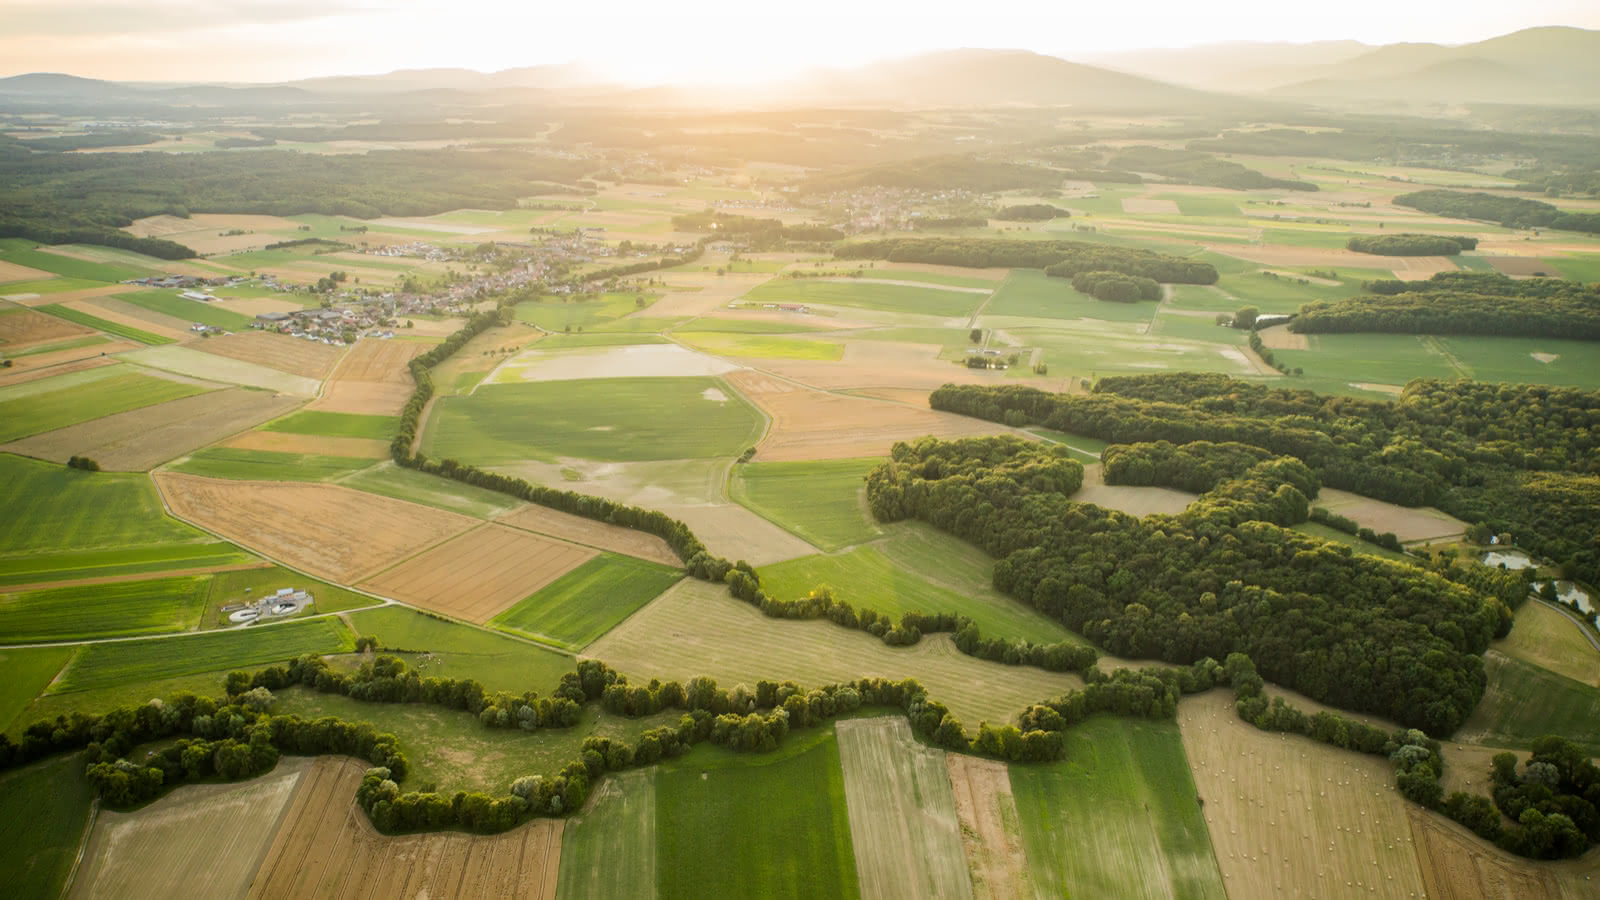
(1408,524)
(326,847)
(1135,501)
(1396,389)
(1545,357)
(812,424)
(479,574)
(21,327)
(69,296)
(283,442)
(311,359)
(134,317)
(1458,865)
(10,271)
(579,530)
(328,531)
(984,804)
(1519,266)
(372,378)
(1279,337)
(1290,817)
(198,841)
(140,439)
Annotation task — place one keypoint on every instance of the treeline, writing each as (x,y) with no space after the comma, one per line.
(1411,244)
(1031,212)
(1106,176)
(1573,316)
(761,233)
(1116,287)
(1512,212)
(1192,167)
(86,197)
(1490,283)
(939,173)
(1155,587)
(1059,258)
(933,222)
(93,141)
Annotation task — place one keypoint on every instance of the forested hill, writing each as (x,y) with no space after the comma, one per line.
(86,197)
(1463,303)
(1512,212)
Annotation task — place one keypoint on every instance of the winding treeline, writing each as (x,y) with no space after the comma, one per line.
(1351,630)
(1462,303)
(1411,244)
(1512,212)
(1520,459)
(1062,259)
(1191,167)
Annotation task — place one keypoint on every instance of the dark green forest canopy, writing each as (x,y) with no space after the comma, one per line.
(1497,454)
(1463,303)
(1348,629)
(1191,167)
(1062,259)
(1513,212)
(46,196)
(1411,244)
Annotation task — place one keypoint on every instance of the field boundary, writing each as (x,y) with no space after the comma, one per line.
(83,840)
(136,576)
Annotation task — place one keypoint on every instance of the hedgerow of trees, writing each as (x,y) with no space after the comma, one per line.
(1411,244)
(1512,212)
(1031,212)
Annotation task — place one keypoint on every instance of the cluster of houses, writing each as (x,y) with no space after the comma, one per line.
(893,209)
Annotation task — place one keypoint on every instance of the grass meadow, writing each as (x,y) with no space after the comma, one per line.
(267,465)
(1029,293)
(118,609)
(68,267)
(499,662)
(896,298)
(52,409)
(563,314)
(743,825)
(619,823)
(24,674)
(607,419)
(1398,358)
(389,480)
(44,812)
(130,662)
(118,329)
(170,304)
(336,424)
(50,509)
(580,606)
(820,501)
(1525,702)
(1118,817)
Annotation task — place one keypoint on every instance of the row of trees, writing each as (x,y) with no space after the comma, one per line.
(1512,212)
(1031,212)
(1411,244)
(1062,259)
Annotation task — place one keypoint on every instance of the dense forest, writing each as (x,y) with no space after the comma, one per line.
(1116,287)
(1448,312)
(1512,212)
(1190,167)
(1062,259)
(1411,244)
(1519,459)
(1355,631)
(1031,212)
(86,197)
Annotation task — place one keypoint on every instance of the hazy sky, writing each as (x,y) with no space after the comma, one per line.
(651,40)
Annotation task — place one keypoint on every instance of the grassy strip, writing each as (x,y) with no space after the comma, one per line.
(188,310)
(453,650)
(34,569)
(114,328)
(389,480)
(268,465)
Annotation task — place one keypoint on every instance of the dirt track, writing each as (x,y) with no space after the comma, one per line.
(984,803)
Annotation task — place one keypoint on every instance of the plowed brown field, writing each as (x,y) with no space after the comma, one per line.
(328,531)
(21,327)
(579,530)
(477,575)
(372,378)
(812,424)
(328,848)
(284,442)
(313,359)
(985,806)
(141,439)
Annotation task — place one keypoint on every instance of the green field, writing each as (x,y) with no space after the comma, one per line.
(1030,293)
(587,602)
(44,567)
(1398,358)
(87,341)
(560,314)
(68,267)
(50,509)
(390,480)
(618,824)
(915,570)
(600,339)
(267,465)
(819,501)
(119,609)
(129,662)
(50,410)
(44,812)
(1581,267)
(1084,448)
(171,304)
(500,663)
(1525,702)
(897,298)
(113,328)
(1091,352)
(769,825)
(24,674)
(1191,205)
(761,346)
(47,286)
(608,419)
(929,278)
(1119,817)
(333,424)
(1349,540)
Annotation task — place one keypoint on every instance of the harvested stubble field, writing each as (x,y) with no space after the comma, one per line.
(59,362)
(326,847)
(198,841)
(332,532)
(902,813)
(50,404)
(697,628)
(308,359)
(279,442)
(141,439)
(185,360)
(991,829)
(1459,865)
(21,327)
(372,378)
(579,530)
(729,530)
(121,313)
(808,424)
(1279,337)
(1408,524)
(479,574)
(1135,501)
(1290,817)
(631,361)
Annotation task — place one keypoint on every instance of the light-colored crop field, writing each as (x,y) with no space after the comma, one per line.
(1524,702)
(991,827)
(140,439)
(1459,865)
(187,361)
(152,606)
(390,480)
(123,313)
(696,628)
(44,813)
(593,533)
(326,847)
(316,445)
(200,840)
(51,509)
(1554,640)
(332,532)
(99,320)
(372,379)
(758,346)
(626,361)
(307,359)
(1408,523)
(610,419)
(342,425)
(21,327)
(580,606)
(619,823)
(10,271)
(929,300)
(48,406)
(823,502)
(720,832)
(809,424)
(874,364)
(1291,817)
(1135,501)
(481,573)
(902,812)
